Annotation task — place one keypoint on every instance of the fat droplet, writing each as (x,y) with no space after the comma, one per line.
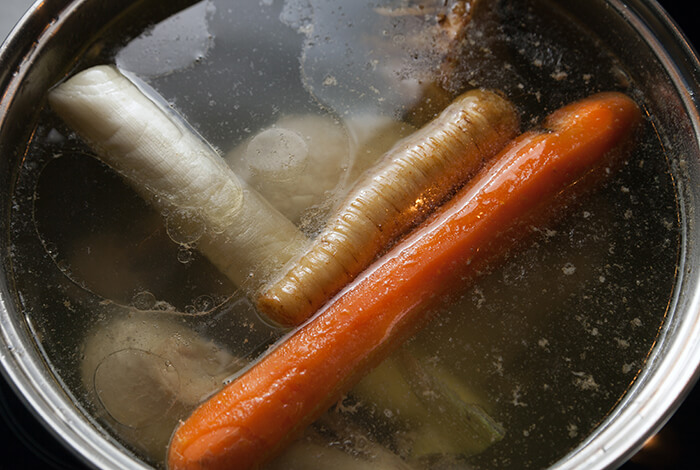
(203,303)
(144,300)
(185,255)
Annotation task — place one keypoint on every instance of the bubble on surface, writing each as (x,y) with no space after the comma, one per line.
(204,303)
(144,300)
(185,255)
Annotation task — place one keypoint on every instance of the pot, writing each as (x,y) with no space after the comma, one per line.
(57,37)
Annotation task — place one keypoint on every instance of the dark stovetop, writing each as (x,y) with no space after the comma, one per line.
(26,444)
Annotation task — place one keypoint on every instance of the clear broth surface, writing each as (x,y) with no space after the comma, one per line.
(549,341)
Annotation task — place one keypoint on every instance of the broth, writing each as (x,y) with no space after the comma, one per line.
(546,344)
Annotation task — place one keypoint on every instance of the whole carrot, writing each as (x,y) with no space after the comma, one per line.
(255,416)
(415,176)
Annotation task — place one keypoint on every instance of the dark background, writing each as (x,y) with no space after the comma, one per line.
(26,444)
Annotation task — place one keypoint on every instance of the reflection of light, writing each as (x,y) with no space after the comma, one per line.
(417,204)
(660,451)
(652,443)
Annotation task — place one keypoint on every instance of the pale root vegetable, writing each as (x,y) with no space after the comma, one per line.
(171,166)
(415,176)
(258,414)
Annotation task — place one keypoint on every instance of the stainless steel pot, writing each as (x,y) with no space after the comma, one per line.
(44,47)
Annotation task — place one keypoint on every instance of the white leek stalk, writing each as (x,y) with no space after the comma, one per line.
(171,166)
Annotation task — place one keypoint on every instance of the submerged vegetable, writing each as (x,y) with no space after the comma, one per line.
(444,415)
(295,163)
(309,453)
(255,416)
(303,164)
(172,167)
(419,173)
(143,371)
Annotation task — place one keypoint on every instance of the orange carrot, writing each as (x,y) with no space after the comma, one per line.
(255,416)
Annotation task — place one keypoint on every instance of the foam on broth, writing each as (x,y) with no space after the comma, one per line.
(547,343)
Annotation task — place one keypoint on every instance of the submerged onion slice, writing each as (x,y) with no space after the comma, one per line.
(150,382)
(297,163)
(145,371)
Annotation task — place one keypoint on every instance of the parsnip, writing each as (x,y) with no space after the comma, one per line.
(170,165)
(414,177)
